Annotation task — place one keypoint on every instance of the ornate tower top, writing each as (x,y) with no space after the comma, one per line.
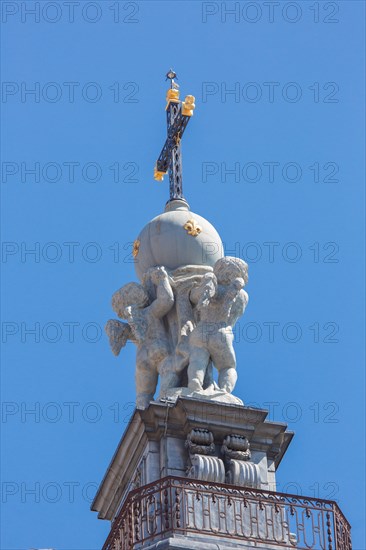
(177,237)
(182,313)
(178,114)
(195,467)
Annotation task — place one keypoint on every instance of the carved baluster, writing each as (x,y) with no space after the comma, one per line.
(166,508)
(329,532)
(137,518)
(177,507)
(123,533)
(130,527)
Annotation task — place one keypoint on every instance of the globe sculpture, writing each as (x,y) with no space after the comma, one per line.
(177,238)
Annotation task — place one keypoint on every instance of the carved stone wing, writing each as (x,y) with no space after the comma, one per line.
(118,334)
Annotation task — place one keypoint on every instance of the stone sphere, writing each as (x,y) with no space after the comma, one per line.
(176,238)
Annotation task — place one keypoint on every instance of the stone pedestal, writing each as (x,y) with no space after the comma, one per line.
(184,448)
(201,475)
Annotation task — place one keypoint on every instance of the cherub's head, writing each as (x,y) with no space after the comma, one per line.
(131,294)
(228,269)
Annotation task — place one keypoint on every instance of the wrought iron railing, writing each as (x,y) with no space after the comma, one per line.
(181,506)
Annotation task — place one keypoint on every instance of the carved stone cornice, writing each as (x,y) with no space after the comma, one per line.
(163,421)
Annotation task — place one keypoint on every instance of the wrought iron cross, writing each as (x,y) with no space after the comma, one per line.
(178,114)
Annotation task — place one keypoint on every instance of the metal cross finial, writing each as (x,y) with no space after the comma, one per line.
(171,75)
(170,159)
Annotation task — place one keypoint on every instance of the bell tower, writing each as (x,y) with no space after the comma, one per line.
(196,468)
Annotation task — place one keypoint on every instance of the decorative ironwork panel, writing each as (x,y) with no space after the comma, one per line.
(186,506)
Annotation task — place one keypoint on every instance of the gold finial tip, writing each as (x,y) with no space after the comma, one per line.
(172,95)
(158,175)
(188,105)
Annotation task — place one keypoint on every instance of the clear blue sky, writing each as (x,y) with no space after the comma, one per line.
(294,209)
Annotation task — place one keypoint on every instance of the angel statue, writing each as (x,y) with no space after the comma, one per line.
(220,301)
(144,327)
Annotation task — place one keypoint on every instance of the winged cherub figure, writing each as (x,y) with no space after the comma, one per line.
(144,327)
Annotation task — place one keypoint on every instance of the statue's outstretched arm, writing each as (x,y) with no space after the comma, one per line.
(201,294)
(164,295)
(118,334)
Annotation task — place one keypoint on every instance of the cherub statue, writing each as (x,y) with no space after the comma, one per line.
(173,370)
(144,327)
(220,301)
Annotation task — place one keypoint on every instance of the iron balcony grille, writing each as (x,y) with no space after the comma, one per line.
(181,506)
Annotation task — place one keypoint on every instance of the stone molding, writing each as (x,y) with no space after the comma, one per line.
(157,436)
